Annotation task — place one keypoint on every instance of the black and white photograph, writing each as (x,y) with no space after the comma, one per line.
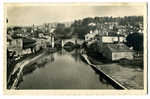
(75,46)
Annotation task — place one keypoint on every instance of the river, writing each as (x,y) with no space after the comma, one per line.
(62,70)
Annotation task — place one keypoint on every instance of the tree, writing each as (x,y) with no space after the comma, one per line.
(63,32)
(135,40)
(67,30)
(16,28)
(59,29)
(29,29)
(81,27)
(9,29)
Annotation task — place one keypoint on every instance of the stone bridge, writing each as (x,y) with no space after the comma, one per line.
(73,40)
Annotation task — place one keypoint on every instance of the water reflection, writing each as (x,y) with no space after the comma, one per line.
(61,52)
(101,78)
(29,69)
(76,55)
(38,64)
(62,70)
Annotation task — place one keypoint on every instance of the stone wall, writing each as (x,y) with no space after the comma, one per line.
(120,55)
(114,55)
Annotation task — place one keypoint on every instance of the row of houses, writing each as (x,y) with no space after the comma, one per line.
(27,45)
(112,47)
(107,27)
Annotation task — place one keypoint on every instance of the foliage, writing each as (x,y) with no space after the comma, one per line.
(81,27)
(93,50)
(131,20)
(63,32)
(16,28)
(94,47)
(135,40)
(9,29)
(131,63)
(29,29)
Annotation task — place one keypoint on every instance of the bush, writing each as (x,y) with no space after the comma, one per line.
(136,41)
(124,61)
(93,50)
(29,69)
(131,63)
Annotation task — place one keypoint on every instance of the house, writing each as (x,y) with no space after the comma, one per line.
(102,40)
(113,48)
(15,45)
(50,40)
(40,35)
(40,43)
(111,39)
(91,36)
(117,51)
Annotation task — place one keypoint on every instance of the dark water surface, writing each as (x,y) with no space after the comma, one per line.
(62,70)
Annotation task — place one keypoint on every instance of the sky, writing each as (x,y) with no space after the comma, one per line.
(28,15)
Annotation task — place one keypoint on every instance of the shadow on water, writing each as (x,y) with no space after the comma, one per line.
(29,69)
(26,71)
(39,64)
(97,72)
(102,77)
(69,49)
(50,59)
(62,52)
(76,55)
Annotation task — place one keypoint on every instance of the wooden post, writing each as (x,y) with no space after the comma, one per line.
(62,43)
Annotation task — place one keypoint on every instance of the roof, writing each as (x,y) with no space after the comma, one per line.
(111,36)
(118,48)
(26,46)
(28,40)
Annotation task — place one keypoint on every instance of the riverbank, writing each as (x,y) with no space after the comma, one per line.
(15,74)
(129,77)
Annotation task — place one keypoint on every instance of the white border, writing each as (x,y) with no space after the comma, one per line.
(1,30)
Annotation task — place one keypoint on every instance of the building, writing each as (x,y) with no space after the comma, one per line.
(52,40)
(15,45)
(41,35)
(102,40)
(117,51)
(40,43)
(113,48)
(111,39)
(91,36)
